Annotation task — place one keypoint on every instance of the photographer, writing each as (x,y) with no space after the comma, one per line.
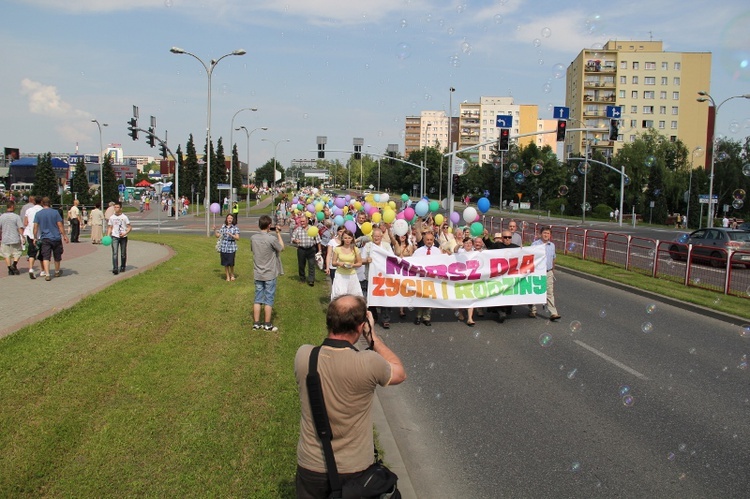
(349,404)
(266,248)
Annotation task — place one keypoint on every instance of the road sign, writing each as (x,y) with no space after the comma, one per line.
(121,187)
(561,113)
(703,199)
(504,121)
(614,112)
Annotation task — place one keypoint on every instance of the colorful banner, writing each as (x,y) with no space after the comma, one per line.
(489,278)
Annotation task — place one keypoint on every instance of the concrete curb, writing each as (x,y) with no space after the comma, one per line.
(393,458)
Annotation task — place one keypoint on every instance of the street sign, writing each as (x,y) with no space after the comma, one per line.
(121,187)
(504,121)
(703,199)
(561,113)
(614,112)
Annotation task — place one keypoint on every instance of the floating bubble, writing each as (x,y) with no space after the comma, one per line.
(460,8)
(571,247)
(735,40)
(427,97)
(651,307)
(454,61)
(476,335)
(506,174)
(584,168)
(647,327)
(545,339)
(305,116)
(537,169)
(592,24)
(586,206)
(513,167)
(536,42)
(573,179)
(558,71)
(746,169)
(739,194)
(546,32)
(745,328)
(527,173)
(650,161)
(671,456)
(624,390)
(722,156)
(575,467)
(682,447)
(627,180)
(603,313)
(168,3)
(575,327)
(519,178)
(404,23)
(466,48)
(572,374)
(547,87)
(562,190)
(450,31)
(628,401)
(692,351)
(403,51)
(737,204)
(734,127)
(498,19)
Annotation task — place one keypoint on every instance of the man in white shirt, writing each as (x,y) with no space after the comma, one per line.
(382,314)
(429,249)
(28,221)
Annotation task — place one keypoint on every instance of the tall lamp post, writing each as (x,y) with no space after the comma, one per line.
(209,71)
(704,97)
(586,167)
(275,145)
(450,145)
(248,134)
(424,166)
(231,146)
(101,162)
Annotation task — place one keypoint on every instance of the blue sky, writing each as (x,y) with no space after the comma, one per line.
(340,68)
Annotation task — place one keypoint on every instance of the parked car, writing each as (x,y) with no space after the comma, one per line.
(744,226)
(712,244)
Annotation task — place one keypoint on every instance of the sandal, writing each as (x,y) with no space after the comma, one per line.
(470,324)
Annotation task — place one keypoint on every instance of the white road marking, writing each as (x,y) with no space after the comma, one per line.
(611,360)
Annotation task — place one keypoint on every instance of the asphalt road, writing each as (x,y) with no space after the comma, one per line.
(625,397)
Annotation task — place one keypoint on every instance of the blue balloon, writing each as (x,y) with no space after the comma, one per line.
(422,208)
(484,205)
(338,220)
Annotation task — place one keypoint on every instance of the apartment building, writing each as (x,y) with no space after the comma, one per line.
(653,88)
(430,128)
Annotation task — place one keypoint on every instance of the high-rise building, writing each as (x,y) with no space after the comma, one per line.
(653,89)
(429,129)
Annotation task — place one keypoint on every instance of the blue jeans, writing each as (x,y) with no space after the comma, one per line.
(122,244)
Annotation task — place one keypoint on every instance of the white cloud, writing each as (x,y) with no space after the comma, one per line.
(44,99)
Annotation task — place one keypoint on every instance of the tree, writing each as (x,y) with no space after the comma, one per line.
(190,173)
(655,194)
(236,170)
(79,184)
(109,185)
(265,172)
(45,181)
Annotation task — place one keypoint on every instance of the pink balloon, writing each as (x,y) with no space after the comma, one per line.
(400,215)
(409,213)
(372,210)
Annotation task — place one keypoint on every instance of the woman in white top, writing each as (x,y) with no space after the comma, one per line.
(333,243)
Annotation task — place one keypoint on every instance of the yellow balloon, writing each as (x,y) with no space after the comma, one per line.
(366,228)
(312,231)
(318,206)
(392,204)
(357,205)
(376,217)
(369,198)
(345,209)
(439,219)
(389,216)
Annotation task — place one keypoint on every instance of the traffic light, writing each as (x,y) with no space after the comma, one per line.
(614,129)
(357,152)
(321,151)
(133,128)
(561,126)
(504,142)
(456,178)
(163,149)
(151,141)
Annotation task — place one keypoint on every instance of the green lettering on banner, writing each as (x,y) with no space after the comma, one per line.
(524,286)
(540,284)
(480,289)
(464,291)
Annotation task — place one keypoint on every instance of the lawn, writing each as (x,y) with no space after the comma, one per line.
(158,387)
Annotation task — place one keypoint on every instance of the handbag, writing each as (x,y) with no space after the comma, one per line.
(319,260)
(377,481)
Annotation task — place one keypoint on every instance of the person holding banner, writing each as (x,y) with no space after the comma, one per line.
(549,248)
(346,258)
(429,249)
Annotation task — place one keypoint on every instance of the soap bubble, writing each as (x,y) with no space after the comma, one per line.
(545,339)
(573,179)
(546,32)
(647,327)
(537,169)
(575,327)
(628,401)
(739,194)
(745,331)
(403,51)
(650,161)
(498,19)
(563,190)
(527,173)
(558,70)
(746,169)
(722,156)
(651,307)
(519,178)
(513,167)
(537,42)
(624,390)
(403,23)
(735,40)
(734,127)
(737,204)
(454,61)
(584,168)
(575,467)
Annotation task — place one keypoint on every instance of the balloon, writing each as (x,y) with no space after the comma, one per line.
(340,202)
(338,220)
(295,199)
(400,215)
(484,205)
(421,209)
(337,211)
(315,190)
(439,219)
(347,198)
(400,227)
(357,206)
(376,217)
(392,205)
(312,231)
(434,206)
(351,226)
(384,197)
(477,229)
(215,208)
(366,228)
(348,218)
(404,197)
(318,206)
(389,216)
(409,213)
(300,206)
(455,217)
(470,214)
(376,197)
(320,216)
(107,240)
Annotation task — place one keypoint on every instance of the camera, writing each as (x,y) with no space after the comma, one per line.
(273,229)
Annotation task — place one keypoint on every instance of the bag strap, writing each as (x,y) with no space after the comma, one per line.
(322,424)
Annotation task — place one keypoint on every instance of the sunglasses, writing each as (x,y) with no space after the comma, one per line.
(507,237)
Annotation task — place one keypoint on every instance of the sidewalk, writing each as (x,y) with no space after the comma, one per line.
(86,270)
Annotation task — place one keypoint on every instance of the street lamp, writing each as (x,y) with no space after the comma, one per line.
(231,147)
(209,71)
(586,167)
(450,145)
(275,145)
(705,96)
(248,134)
(424,169)
(101,163)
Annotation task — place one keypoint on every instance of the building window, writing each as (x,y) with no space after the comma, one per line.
(633,123)
(649,80)
(665,66)
(673,138)
(664,80)
(647,124)
(634,94)
(635,80)
(663,95)
(648,109)
(623,64)
(650,66)
(662,124)
(675,110)
(622,94)
(632,138)
(649,94)
(634,109)
(676,81)
(662,109)
(623,79)
(677,66)
(635,65)
(674,125)
(675,95)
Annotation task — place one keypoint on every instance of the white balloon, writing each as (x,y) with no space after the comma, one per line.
(384,197)
(470,214)
(400,227)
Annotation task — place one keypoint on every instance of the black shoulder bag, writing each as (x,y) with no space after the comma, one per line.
(377,481)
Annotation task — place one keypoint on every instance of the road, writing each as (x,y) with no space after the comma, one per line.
(625,397)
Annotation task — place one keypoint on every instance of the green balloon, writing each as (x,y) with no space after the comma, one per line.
(434,206)
(476,229)
(320,216)
(404,197)
(348,217)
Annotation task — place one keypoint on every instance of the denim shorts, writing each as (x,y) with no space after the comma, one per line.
(265,291)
